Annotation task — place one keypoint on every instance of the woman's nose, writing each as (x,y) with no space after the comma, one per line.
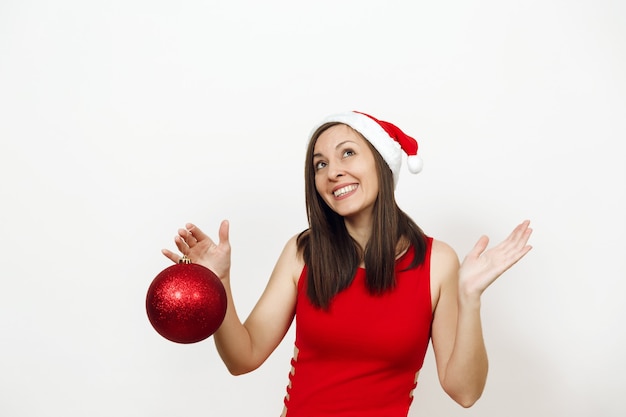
(335,171)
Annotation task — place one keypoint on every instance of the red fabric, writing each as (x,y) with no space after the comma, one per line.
(360,357)
(407,143)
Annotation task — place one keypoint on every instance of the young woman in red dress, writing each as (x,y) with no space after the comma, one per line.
(367,288)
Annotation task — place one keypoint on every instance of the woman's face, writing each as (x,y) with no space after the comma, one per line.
(345,172)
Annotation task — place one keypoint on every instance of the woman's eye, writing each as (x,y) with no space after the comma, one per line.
(348,152)
(319,165)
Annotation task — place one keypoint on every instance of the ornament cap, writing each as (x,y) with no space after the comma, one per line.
(184,260)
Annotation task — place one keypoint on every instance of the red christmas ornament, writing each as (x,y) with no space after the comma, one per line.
(186,302)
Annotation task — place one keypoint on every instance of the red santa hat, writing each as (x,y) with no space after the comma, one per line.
(387,138)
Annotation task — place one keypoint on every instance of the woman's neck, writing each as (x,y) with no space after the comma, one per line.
(360,231)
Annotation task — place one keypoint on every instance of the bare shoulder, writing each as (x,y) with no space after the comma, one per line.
(444,264)
(291,249)
(291,260)
(442,253)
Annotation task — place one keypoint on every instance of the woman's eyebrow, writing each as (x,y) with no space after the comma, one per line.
(344,142)
(339,145)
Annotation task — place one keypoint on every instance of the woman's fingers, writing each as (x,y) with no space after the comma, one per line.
(174,257)
(521,233)
(223,232)
(515,247)
(181,244)
(196,235)
(479,247)
(518,241)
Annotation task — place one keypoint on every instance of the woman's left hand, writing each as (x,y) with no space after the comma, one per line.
(481,267)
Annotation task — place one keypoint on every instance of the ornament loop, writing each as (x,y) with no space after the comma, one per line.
(184,260)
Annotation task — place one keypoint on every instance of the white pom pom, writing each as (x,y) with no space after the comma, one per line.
(415,163)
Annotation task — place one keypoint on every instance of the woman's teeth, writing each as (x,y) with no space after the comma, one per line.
(344,190)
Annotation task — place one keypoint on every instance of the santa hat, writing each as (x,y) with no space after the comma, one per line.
(387,138)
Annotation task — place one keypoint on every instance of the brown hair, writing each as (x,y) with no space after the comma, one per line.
(332,256)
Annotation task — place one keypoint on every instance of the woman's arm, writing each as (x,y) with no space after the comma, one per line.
(457,336)
(245,346)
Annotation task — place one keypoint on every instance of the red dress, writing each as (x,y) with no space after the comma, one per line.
(360,357)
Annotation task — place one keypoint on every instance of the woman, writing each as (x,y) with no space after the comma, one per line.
(367,287)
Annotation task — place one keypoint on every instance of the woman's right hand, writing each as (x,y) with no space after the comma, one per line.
(201,249)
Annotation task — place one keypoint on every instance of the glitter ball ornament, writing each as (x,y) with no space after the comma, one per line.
(186,303)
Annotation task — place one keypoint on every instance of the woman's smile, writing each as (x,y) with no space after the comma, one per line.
(344,190)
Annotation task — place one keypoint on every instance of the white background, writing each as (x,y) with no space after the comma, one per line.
(122,120)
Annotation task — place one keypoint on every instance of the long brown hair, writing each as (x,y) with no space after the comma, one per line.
(332,256)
